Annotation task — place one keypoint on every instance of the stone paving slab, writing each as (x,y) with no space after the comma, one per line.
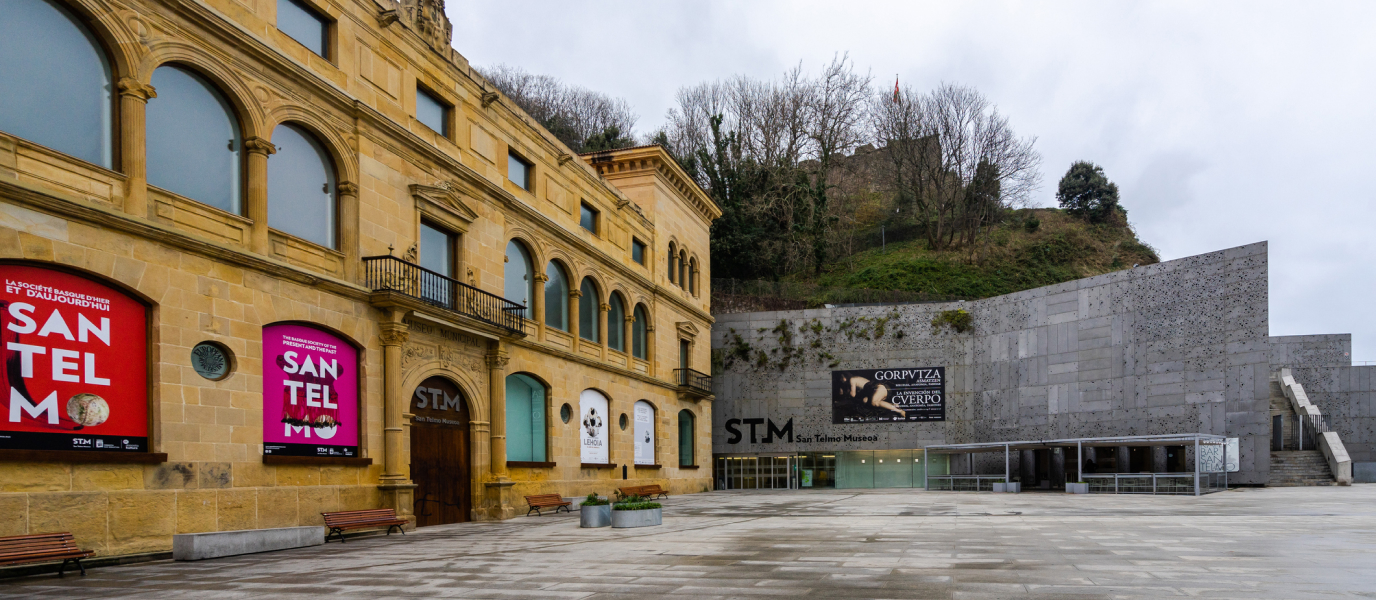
(1291,543)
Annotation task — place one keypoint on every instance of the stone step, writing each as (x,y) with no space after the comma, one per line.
(1299,468)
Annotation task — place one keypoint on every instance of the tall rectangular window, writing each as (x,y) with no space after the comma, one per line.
(587,217)
(432,112)
(437,253)
(304,24)
(436,250)
(518,170)
(638,251)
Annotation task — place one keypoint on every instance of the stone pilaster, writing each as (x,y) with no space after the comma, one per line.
(396,486)
(573,323)
(537,303)
(498,501)
(133,157)
(348,229)
(256,197)
(602,310)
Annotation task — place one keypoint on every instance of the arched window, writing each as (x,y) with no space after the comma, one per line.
(556,297)
(693,276)
(685,439)
(517,283)
(638,331)
(193,140)
(673,256)
(301,187)
(616,323)
(55,82)
(525,419)
(682,268)
(588,300)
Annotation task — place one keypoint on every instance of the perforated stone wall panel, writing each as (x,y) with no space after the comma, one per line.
(1177,347)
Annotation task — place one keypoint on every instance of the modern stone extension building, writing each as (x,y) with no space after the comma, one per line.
(1180,347)
(268,258)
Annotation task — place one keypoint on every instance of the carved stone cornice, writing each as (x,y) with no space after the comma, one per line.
(347,189)
(604,307)
(541,278)
(445,198)
(427,19)
(387,17)
(393,334)
(687,328)
(489,97)
(575,293)
(498,362)
(130,87)
(257,145)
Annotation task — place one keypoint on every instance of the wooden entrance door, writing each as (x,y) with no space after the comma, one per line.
(441,466)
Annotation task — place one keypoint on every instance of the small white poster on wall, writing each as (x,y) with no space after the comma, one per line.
(592,430)
(644,433)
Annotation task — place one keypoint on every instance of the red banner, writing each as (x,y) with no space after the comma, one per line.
(75,363)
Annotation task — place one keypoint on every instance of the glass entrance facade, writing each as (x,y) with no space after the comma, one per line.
(843,469)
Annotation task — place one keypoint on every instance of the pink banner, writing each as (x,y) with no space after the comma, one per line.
(310,392)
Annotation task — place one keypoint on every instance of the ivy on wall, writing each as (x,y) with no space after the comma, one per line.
(958,319)
(808,342)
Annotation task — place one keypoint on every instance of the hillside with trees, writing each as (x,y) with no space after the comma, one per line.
(825,180)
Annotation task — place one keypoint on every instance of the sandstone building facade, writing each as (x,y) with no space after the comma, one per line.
(227,226)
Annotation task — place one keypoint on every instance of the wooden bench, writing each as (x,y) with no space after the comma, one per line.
(648,491)
(42,547)
(540,501)
(339,522)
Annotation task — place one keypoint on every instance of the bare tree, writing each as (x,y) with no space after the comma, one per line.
(767,151)
(953,160)
(583,119)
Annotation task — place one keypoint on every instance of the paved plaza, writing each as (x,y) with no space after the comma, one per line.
(1248,543)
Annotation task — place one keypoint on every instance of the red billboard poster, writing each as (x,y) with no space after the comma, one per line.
(75,356)
(310,392)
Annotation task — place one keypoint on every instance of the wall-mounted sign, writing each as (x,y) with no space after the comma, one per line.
(644,433)
(310,392)
(75,356)
(888,395)
(592,428)
(437,401)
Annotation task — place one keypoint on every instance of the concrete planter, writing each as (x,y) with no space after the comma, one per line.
(1012,487)
(1077,488)
(595,516)
(637,518)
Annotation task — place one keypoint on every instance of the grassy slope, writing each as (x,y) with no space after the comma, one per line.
(1061,249)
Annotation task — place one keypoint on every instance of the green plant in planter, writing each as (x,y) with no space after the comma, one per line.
(593,500)
(958,319)
(635,503)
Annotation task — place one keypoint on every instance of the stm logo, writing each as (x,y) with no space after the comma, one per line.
(82,442)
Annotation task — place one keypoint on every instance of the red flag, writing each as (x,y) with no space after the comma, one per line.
(895,90)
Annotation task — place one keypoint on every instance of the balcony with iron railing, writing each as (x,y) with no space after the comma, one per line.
(392,274)
(694,383)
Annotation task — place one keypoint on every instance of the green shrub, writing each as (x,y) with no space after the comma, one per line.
(958,319)
(635,503)
(593,500)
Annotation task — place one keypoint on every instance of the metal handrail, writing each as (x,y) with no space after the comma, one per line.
(389,273)
(695,380)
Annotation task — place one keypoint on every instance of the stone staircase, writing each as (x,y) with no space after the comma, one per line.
(1293,468)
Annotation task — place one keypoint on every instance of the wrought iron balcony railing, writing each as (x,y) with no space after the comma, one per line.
(389,273)
(693,381)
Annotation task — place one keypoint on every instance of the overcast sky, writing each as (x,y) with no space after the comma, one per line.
(1222,123)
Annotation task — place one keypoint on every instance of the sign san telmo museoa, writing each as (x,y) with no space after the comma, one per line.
(310,392)
(75,363)
(888,395)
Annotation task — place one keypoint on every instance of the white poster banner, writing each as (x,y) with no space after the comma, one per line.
(644,433)
(592,431)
